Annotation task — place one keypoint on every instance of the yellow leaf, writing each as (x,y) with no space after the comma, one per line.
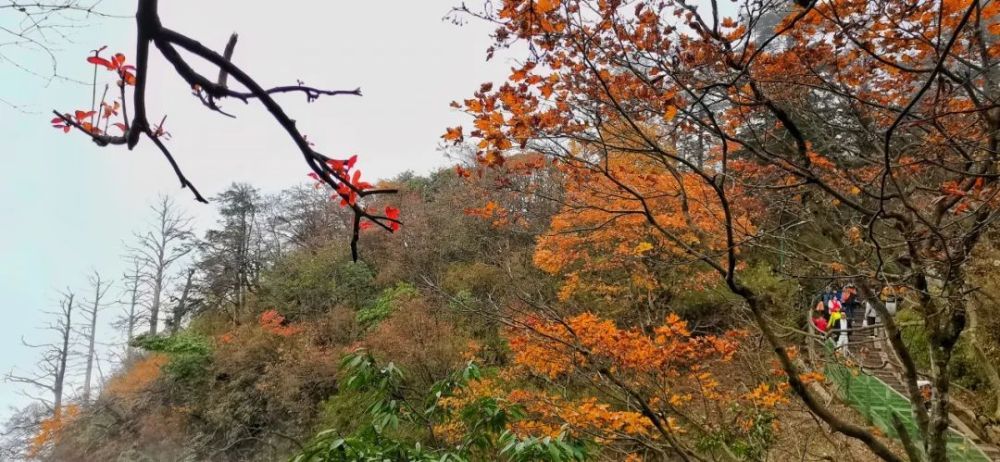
(643,247)
(670,113)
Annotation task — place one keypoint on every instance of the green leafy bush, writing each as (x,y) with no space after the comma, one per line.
(384,305)
(189,353)
(377,437)
(308,282)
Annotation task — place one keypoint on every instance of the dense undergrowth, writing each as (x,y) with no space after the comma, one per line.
(448,342)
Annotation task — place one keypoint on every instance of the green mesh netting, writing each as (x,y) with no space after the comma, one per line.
(877,401)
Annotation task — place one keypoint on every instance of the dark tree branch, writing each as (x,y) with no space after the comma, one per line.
(150,30)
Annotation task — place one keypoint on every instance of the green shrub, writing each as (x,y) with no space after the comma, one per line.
(385,304)
(306,283)
(189,353)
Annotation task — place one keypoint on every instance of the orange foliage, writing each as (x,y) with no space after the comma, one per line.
(275,323)
(553,349)
(51,429)
(624,220)
(137,378)
(667,371)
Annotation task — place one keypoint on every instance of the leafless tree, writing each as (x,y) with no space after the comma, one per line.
(135,295)
(184,303)
(50,371)
(157,249)
(90,313)
(19,430)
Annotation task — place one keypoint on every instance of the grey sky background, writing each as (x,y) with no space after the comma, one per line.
(67,205)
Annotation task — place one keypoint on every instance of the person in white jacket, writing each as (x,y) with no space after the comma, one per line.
(871,318)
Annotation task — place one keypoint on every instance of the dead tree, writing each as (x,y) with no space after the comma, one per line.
(90,313)
(50,371)
(184,304)
(167,241)
(20,430)
(134,294)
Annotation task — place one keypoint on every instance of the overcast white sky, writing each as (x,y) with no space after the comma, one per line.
(67,205)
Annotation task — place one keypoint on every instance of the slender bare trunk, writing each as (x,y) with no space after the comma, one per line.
(100,289)
(182,305)
(60,376)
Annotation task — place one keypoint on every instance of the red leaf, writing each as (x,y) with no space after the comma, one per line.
(97,60)
(314,176)
(128,78)
(392,213)
(121,126)
(365,225)
(351,161)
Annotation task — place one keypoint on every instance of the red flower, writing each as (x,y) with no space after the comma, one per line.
(392,213)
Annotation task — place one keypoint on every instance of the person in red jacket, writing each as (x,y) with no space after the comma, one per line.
(820,320)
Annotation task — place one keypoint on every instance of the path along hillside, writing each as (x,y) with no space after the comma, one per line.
(866,375)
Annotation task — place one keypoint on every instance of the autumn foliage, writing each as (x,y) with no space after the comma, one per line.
(870,123)
(51,429)
(603,242)
(138,377)
(630,386)
(273,322)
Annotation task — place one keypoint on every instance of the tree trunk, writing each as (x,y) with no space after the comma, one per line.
(154,306)
(944,330)
(99,290)
(989,367)
(182,307)
(130,322)
(57,387)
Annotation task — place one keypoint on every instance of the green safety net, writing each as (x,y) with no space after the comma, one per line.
(877,401)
